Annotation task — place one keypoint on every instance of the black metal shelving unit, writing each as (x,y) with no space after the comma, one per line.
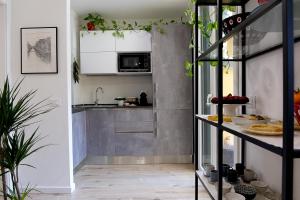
(282,146)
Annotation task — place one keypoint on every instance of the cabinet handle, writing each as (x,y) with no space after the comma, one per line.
(154,95)
(155,124)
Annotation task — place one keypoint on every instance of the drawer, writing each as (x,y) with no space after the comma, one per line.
(134,144)
(134,127)
(137,115)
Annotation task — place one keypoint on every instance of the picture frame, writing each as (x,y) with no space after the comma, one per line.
(39,51)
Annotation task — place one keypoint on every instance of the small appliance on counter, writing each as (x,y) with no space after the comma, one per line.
(131,101)
(143,99)
(120,100)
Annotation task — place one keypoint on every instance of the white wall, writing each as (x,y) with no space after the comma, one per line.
(264,80)
(75,47)
(53,171)
(2,43)
(113,86)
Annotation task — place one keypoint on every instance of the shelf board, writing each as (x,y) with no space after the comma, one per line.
(224,2)
(210,188)
(271,143)
(260,11)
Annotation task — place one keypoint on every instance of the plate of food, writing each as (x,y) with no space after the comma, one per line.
(264,129)
(230,99)
(243,120)
(279,124)
(215,118)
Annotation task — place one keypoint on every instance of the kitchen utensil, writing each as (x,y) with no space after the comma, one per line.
(226,187)
(239,167)
(245,120)
(207,169)
(131,99)
(248,191)
(260,186)
(232,176)
(214,176)
(249,175)
(234,196)
(225,168)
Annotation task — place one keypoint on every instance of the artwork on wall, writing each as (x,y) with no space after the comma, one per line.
(39,50)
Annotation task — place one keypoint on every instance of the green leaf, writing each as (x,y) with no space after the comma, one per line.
(213,63)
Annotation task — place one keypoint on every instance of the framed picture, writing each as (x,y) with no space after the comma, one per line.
(39,50)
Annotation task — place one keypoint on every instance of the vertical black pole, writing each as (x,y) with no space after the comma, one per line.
(288,100)
(196,108)
(244,93)
(220,103)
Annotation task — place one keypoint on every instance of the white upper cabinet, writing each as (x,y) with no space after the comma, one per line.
(99,63)
(134,41)
(97,41)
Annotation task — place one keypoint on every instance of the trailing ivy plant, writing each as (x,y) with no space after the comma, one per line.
(206,27)
(95,21)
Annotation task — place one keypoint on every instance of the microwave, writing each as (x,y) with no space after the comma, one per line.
(134,62)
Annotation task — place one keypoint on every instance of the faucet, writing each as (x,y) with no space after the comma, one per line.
(97,101)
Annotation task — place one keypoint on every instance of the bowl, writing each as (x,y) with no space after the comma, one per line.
(226,187)
(248,191)
(243,120)
(260,186)
(234,196)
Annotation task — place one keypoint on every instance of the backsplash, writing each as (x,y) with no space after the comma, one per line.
(113,86)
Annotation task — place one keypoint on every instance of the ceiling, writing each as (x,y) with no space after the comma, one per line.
(131,9)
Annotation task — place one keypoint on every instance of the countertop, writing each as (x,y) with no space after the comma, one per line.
(84,107)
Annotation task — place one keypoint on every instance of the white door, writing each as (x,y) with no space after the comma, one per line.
(134,41)
(99,63)
(96,41)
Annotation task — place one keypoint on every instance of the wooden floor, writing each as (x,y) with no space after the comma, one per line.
(132,182)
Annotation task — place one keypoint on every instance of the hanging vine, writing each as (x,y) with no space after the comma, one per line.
(206,27)
(95,21)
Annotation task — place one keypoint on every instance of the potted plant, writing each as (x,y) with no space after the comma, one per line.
(17,113)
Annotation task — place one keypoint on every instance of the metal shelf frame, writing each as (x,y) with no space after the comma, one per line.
(287,151)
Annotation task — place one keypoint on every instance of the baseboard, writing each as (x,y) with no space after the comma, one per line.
(138,160)
(55,190)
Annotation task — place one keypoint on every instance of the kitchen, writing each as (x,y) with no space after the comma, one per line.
(134,112)
(128,107)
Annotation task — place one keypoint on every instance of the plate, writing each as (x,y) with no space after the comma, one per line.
(243,120)
(264,129)
(279,124)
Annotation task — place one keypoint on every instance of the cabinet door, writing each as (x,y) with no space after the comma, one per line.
(99,63)
(174,132)
(134,41)
(172,88)
(79,138)
(96,41)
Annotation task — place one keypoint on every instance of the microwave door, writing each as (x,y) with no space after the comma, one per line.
(133,63)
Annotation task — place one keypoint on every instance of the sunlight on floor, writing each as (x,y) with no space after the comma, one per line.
(132,182)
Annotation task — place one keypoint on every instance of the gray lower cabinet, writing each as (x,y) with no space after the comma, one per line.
(120,132)
(100,132)
(174,132)
(79,137)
